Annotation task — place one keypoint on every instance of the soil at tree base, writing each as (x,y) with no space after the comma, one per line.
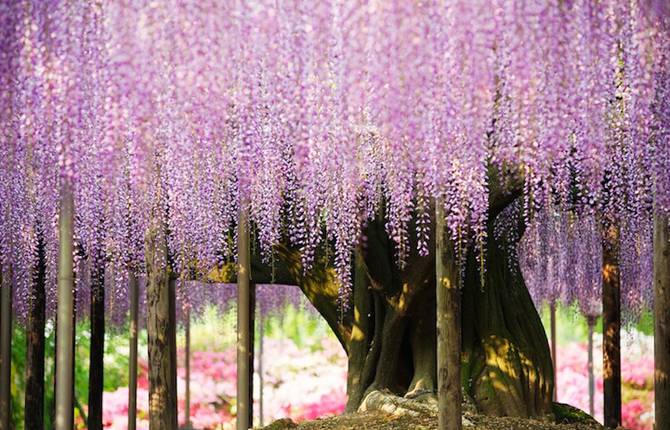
(571,419)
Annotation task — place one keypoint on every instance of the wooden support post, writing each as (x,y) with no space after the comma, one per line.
(96,367)
(252,349)
(662,321)
(591,322)
(611,330)
(132,356)
(448,327)
(261,336)
(243,317)
(65,310)
(552,328)
(35,343)
(5,350)
(161,331)
(187,365)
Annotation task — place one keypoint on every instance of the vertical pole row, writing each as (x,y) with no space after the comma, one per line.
(243,335)
(448,327)
(65,310)
(132,365)
(662,321)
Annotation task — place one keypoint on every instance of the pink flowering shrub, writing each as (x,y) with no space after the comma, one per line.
(302,384)
(310,382)
(637,370)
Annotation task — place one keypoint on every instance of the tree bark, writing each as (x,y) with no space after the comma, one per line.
(34,396)
(662,321)
(505,344)
(97,349)
(611,330)
(359,339)
(243,325)
(5,349)
(64,322)
(449,398)
(591,322)
(161,332)
(390,330)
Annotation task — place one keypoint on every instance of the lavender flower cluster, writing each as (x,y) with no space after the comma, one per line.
(311,116)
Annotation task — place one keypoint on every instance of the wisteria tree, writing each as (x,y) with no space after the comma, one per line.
(386,157)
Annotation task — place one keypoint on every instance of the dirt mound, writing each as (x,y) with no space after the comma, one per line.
(567,418)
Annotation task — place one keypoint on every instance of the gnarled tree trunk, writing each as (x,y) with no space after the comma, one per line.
(389,331)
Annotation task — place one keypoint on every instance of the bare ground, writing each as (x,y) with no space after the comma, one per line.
(569,419)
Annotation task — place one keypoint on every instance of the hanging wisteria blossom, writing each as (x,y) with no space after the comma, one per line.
(314,118)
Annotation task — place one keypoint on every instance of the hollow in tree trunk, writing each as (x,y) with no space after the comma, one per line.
(611,330)
(34,397)
(97,350)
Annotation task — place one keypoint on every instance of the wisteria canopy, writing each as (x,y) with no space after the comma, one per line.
(314,117)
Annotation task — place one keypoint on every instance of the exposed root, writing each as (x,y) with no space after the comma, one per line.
(391,404)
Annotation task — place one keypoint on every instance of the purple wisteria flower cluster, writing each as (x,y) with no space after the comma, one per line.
(313,116)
